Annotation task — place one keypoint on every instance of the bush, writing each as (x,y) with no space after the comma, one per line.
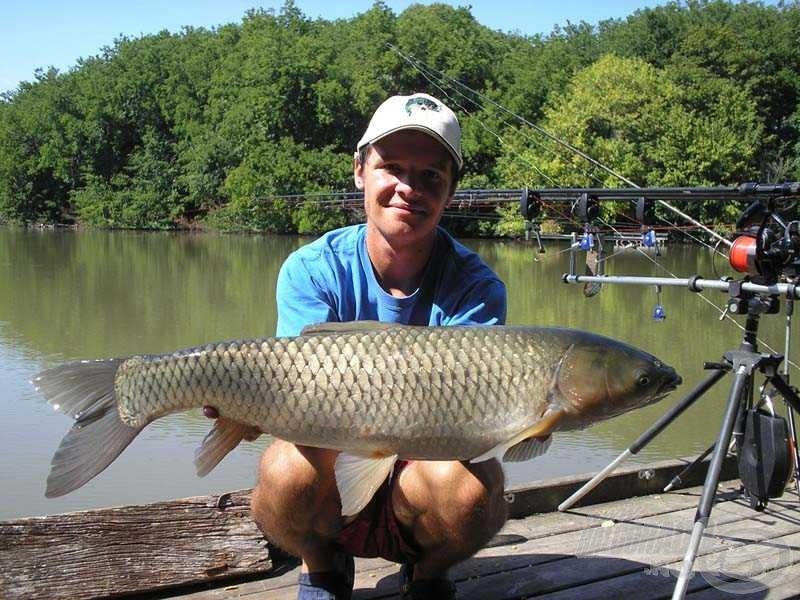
(261,216)
(511,223)
(101,204)
(312,217)
(550,226)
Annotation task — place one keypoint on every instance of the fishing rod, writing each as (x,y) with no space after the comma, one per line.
(744,190)
(528,197)
(586,201)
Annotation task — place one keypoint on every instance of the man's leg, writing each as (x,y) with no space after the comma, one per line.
(451,509)
(448,508)
(296,504)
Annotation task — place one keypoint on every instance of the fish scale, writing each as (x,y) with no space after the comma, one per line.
(398,386)
(368,389)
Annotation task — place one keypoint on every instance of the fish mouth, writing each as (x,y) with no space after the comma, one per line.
(671,381)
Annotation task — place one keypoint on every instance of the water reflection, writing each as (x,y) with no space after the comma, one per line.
(72,295)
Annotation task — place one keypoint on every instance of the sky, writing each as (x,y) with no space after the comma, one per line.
(44,33)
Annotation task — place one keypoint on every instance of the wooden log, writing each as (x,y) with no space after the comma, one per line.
(624,483)
(117,551)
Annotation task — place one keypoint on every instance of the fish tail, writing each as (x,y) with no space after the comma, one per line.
(85,391)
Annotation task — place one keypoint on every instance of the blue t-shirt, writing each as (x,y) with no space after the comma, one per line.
(332,279)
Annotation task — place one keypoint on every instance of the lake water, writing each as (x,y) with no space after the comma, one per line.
(75,295)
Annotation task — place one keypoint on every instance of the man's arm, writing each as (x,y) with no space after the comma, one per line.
(301,300)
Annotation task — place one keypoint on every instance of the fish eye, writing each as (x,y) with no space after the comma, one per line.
(644,380)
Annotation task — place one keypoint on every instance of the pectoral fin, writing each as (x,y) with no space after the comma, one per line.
(359,477)
(540,429)
(224,436)
(528,449)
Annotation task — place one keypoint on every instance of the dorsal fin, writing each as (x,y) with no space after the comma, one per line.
(348,327)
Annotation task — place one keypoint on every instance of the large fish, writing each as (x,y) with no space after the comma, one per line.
(376,392)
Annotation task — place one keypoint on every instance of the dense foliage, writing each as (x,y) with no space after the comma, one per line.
(169,129)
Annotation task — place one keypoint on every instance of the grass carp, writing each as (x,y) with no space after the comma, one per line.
(376,392)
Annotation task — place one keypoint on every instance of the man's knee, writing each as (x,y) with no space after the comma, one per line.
(462,501)
(295,490)
(478,497)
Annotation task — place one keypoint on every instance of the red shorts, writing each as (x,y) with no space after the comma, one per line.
(376,531)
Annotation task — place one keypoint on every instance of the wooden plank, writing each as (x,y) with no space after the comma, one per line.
(634,571)
(752,567)
(788,587)
(494,571)
(130,549)
(542,525)
(519,531)
(583,558)
(196,543)
(652,583)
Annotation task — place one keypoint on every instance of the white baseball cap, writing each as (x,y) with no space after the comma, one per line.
(420,112)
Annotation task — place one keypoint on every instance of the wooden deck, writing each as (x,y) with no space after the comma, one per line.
(615,546)
(628,548)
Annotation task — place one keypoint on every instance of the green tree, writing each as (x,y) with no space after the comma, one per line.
(165,129)
(638,120)
(38,154)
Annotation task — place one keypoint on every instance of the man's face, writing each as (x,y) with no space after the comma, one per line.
(407,181)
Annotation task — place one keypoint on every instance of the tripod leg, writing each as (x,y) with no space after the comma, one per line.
(712,480)
(645,438)
(677,480)
(789,408)
(795,453)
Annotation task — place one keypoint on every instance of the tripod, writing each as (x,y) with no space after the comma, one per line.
(743,363)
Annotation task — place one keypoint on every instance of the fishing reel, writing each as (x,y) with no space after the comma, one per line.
(765,452)
(768,245)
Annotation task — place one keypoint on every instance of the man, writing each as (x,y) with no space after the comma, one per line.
(398,267)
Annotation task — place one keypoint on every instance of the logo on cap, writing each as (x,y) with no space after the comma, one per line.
(420,104)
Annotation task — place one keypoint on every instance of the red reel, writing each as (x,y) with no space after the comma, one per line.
(743,254)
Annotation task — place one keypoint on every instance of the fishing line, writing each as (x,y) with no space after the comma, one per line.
(455,215)
(430,76)
(559,141)
(500,139)
(541,130)
(724,313)
(428,72)
(696,239)
(714,263)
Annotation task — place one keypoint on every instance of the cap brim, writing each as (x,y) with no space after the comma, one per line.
(423,129)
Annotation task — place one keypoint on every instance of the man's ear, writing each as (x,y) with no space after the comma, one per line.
(358,172)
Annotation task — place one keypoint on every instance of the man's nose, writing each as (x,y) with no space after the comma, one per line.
(408,184)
